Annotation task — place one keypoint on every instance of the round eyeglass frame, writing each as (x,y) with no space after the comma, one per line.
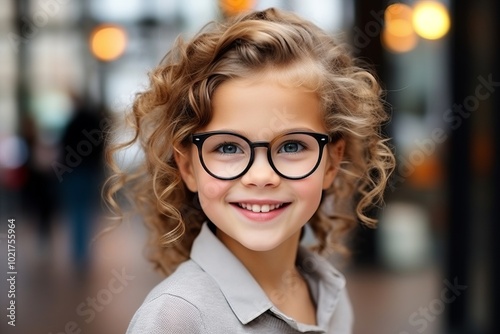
(199,138)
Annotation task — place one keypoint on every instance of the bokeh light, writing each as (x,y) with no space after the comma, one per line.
(233,7)
(13,152)
(431,19)
(108,42)
(398,34)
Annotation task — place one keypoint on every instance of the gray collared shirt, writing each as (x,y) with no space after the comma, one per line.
(214,293)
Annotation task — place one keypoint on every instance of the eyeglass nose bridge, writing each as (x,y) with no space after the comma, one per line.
(260,144)
(255,145)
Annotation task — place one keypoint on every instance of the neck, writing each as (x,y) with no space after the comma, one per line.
(274,270)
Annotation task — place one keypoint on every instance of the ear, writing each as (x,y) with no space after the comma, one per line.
(335,153)
(184,161)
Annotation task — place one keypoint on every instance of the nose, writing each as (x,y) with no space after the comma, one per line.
(261,174)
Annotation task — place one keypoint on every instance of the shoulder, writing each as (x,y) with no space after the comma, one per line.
(166,314)
(177,304)
(189,282)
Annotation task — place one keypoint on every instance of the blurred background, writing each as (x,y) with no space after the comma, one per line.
(67,67)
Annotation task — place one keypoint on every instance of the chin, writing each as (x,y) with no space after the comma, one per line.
(261,245)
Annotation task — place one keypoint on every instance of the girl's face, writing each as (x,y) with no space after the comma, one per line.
(260,210)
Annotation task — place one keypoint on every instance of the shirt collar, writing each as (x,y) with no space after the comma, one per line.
(242,292)
(325,283)
(245,296)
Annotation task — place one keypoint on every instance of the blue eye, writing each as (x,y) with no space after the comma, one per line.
(228,148)
(291,147)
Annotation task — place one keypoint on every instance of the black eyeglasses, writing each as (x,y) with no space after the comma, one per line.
(228,155)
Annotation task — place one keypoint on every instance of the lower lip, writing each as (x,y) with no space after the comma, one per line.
(260,216)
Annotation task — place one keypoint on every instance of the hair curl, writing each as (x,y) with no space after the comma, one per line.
(178,102)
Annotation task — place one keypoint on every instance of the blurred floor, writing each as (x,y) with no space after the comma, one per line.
(53,297)
(392,303)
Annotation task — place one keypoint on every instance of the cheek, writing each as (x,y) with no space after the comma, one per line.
(309,190)
(210,190)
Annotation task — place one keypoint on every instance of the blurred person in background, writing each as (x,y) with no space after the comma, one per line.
(40,192)
(80,172)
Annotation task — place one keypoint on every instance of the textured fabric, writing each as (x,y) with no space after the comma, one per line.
(214,293)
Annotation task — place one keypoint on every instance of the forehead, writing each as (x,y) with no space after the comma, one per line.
(261,108)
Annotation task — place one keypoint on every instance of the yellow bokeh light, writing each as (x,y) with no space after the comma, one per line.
(431,19)
(398,34)
(108,42)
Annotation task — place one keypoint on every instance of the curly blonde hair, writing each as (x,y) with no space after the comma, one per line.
(178,103)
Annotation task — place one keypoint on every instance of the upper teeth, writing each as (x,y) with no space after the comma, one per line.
(260,208)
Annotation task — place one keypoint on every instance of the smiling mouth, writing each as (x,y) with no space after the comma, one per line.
(261,208)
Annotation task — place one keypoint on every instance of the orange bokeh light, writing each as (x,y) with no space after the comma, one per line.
(108,42)
(398,34)
(233,7)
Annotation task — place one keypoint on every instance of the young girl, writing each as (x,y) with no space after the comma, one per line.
(251,130)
